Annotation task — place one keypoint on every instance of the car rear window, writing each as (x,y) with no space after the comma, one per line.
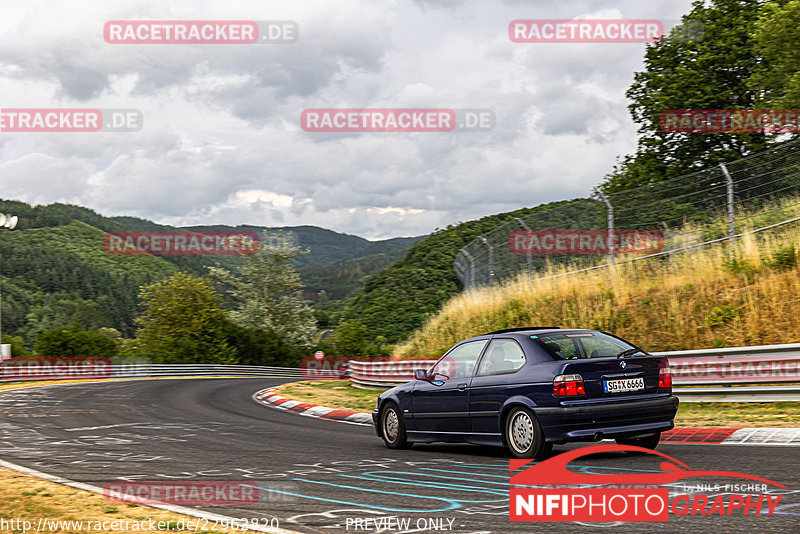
(581,345)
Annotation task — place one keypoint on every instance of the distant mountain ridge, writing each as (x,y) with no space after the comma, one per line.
(325,246)
(55,272)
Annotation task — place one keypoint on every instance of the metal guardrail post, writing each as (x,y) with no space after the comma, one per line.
(491,259)
(471,274)
(461,272)
(731,229)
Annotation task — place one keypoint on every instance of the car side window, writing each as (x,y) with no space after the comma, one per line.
(502,356)
(460,361)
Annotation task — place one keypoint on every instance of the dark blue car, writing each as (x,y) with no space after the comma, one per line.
(529,388)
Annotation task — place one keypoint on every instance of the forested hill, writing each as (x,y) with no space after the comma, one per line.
(60,275)
(324,246)
(396,301)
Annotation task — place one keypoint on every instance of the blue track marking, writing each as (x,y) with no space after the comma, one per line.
(465,478)
(439,485)
(453,505)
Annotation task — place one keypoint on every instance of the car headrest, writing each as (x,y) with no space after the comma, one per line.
(552,347)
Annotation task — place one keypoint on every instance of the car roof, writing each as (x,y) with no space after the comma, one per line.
(528,331)
(522,329)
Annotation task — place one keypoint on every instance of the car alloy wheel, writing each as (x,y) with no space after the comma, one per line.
(523,435)
(390,425)
(521,432)
(393,428)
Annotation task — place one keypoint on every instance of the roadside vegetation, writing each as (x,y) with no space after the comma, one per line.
(27,498)
(698,299)
(337,394)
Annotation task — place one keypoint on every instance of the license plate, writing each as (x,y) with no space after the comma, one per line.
(623,385)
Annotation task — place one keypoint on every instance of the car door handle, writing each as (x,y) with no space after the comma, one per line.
(462,387)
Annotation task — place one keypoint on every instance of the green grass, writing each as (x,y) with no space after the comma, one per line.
(739,414)
(337,394)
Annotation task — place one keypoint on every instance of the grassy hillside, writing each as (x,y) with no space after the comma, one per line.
(396,301)
(698,299)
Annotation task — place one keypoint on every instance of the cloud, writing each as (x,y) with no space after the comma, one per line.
(221,141)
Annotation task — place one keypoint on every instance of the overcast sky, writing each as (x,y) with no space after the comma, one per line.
(222,143)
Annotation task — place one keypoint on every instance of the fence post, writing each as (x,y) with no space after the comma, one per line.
(528,258)
(611,236)
(461,272)
(731,226)
(471,273)
(491,259)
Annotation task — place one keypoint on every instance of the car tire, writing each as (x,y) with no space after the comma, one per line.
(523,435)
(393,429)
(647,442)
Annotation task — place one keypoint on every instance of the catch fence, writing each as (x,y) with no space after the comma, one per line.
(713,205)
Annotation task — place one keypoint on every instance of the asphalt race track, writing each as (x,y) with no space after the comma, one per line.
(323,476)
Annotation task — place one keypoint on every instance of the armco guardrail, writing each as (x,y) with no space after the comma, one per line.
(17,372)
(740,366)
(384,374)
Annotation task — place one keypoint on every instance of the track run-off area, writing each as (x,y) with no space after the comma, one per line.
(313,475)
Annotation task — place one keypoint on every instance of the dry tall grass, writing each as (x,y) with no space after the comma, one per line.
(696,299)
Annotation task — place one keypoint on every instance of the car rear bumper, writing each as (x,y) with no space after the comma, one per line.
(607,420)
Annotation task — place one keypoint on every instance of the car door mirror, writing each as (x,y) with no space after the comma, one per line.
(421,374)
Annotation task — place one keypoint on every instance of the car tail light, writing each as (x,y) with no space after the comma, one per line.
(568,385)
(664,375)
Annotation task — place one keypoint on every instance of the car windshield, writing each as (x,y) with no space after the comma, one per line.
(581,345)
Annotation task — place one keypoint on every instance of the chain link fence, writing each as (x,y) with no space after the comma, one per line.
(748,195)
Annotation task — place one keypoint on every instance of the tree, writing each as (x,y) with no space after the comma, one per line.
(255,346)
(17,345)
(72,341)
(184,323)
(351,339)
(708,70)
(265,290)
